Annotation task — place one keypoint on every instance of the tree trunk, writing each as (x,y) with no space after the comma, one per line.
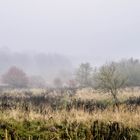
(116,101)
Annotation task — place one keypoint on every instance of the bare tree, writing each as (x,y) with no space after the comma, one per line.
(15,78)
(110,80)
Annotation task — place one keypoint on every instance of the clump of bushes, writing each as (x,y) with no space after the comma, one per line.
(133,101)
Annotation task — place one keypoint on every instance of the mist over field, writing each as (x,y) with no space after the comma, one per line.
(69,69)
(45,64)
(95,30)
(52,38)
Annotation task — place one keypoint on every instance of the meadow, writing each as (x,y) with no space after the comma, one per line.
(69,114)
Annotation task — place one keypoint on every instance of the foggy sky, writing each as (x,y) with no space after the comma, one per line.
(86,30)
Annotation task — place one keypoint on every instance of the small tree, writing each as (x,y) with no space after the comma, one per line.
(84,75)
(110,80)
(15,78)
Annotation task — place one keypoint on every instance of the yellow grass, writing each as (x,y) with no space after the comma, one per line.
(128,118)
(131,119)
(89,94)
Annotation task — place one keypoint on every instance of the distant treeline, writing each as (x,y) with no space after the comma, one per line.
(127,70)
(44,64)
(43,70)
(130,68)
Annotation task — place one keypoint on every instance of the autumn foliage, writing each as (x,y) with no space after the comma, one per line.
(15,78)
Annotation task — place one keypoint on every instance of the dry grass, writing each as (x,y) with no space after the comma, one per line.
(130,119)
(84,94)
(127,117)
(89,94)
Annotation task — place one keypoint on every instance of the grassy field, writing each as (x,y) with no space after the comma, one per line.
(85,114)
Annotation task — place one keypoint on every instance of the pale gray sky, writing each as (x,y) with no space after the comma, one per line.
(90,29)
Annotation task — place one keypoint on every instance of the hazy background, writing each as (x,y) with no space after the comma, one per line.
(72,30)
